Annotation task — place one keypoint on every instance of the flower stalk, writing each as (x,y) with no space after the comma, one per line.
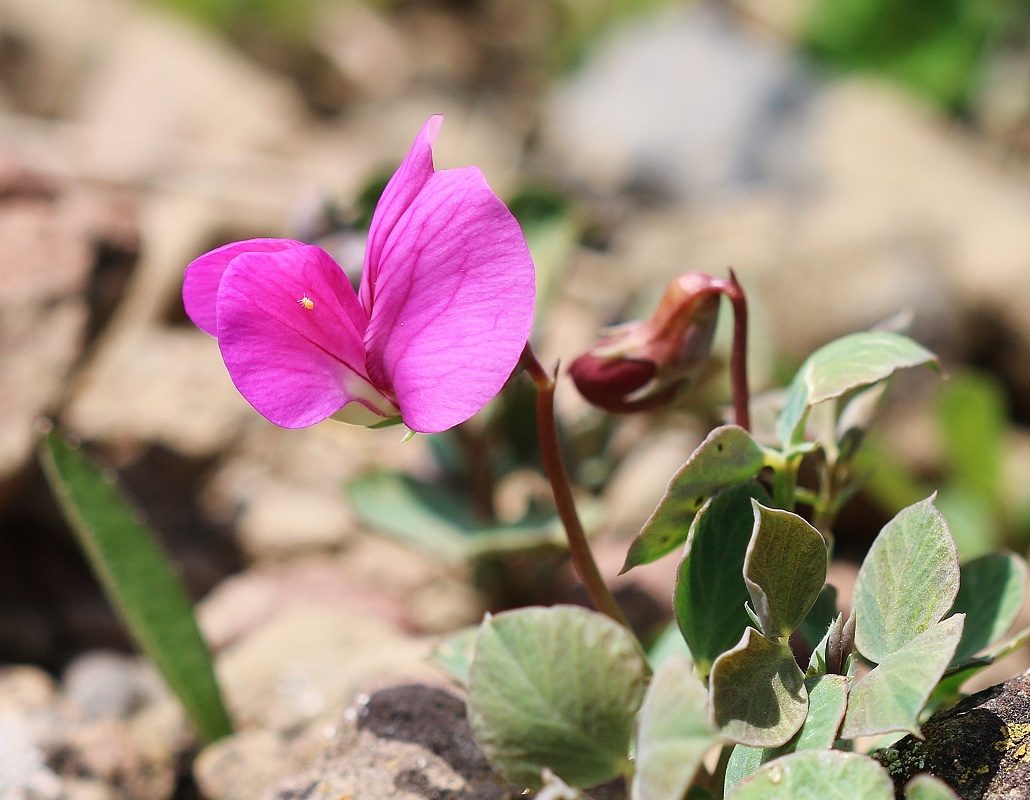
(558,476)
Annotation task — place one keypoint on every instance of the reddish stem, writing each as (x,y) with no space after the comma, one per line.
(557,474)
(738,357)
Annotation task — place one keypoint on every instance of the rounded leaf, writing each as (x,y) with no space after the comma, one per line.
(907,583)
(555,688)
(817,775)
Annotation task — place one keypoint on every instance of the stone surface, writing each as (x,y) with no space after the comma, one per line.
(685,104)
(979,747)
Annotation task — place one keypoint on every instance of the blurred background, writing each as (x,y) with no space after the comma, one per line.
(849,159)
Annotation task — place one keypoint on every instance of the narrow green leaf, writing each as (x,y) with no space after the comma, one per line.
(453,654)
(890,697)
(710,591)
(138,579)
(557,688)
(728,456)
(857,360)
(907,582)
(674,732)
(817,775)
(758,692)
(440,522)
(827,699)
(784,569)
(948,690)
(990,594)
(927,787)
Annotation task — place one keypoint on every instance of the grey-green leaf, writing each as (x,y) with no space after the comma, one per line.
(907,583)
(727,456)
(710,591)
(557,688)
(857,360)
(138,579)
(827,699)
(990,594)
(439,522)
(758,692)
(890,697)
(454,652)
(784,569)
(817,775)
(674,732)
(927,787)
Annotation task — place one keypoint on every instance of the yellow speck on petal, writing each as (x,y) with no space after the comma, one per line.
(307,302)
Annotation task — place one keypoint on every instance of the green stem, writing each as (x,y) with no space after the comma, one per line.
(785,482)
(557,474)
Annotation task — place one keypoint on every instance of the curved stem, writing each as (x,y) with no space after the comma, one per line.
(557,474)
(738,357)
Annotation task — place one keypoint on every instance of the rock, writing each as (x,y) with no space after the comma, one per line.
(57,290)
(285,520)
(307,662)
(106,684)
(977,747)
(685,104)
(412,742)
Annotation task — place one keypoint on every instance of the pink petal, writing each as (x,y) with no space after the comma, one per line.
(287,332)
(454,302)
(405,184)
(200,284)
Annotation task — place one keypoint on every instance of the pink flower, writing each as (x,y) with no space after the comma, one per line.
(442,315)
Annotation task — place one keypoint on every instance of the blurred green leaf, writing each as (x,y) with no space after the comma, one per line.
(784,569)
(555,687)
(827,699)
(817,775)
(907,582)
(974,420)
(442,523)
(674,732)
(139,580)
(728,456)
(932,48)
(710,591)
(454,653)
(854,361)
(927,787)
(891,697)
(991,593)
(669,642)
(758,692)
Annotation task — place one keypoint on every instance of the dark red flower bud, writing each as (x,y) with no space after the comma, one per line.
(641,366)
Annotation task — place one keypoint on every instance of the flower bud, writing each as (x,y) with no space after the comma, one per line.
(641,366)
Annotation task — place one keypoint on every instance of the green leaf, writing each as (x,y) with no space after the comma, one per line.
(669,642)
(138,579)
(440,522)
(857,360)
(890,697)
(710,591)
(973,420)
(827,699)
(947,691)
(454,653)
(758,692)
(927,787)
(990,595)
(907,582)
(727,457)
(674,732)
(817,775)
(784,569)
(558,688)
(817,621)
